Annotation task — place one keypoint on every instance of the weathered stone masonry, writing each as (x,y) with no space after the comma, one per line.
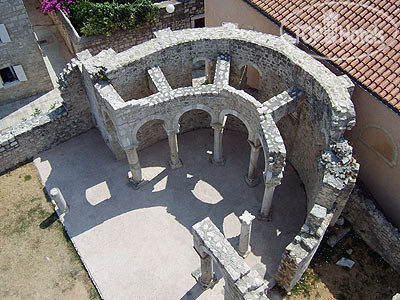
(302,113)
(372,226)
(24,140)
(240,281)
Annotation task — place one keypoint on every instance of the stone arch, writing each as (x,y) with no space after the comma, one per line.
(145,120)
(210,111)
(201,70)
(225,112)
(250,76)
(382,143)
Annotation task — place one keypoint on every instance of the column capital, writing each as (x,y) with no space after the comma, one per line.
(253,146)
(246,218)
(171,130)
(217,126)
(132,146)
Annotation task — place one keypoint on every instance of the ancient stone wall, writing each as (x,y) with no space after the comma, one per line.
(240,281)
(125,39)
(21,50)
(148,88)
(319,121)
(300,251)
(372,226)
(72,117)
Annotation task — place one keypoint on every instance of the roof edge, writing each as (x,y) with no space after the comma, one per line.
(368,90)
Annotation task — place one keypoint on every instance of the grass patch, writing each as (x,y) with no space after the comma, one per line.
(27,251)
(306,283)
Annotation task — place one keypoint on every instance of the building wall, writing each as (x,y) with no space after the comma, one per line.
(21,50)
(379,177)
(237,11)
(376,141)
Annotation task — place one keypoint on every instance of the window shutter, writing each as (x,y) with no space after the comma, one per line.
(4,37)
(19,71)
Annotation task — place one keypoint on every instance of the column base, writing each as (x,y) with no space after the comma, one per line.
(253,182)
(244,255)
(197,275)
(219,163)
(178,165)
(266,218)
(136,185)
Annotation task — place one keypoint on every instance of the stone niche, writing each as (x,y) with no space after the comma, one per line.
(298,111)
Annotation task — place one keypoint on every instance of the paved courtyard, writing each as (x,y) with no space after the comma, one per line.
(137,244)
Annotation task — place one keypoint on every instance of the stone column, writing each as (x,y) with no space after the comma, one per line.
(217,158)
(59,200)
(246,220)
(174,161)
(267,200)
(135,174)
(251,179)
(207,273)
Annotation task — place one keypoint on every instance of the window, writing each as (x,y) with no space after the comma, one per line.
(4,37)
(198,21)
(11,75)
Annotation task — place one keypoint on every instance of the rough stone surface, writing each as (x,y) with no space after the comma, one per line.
(300,251)
(21,50)
(373,227)
(345,262)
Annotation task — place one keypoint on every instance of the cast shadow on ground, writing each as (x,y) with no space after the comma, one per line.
(190,194)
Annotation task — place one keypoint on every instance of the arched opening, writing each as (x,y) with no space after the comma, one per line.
(249,80)
(194,119)
(150,133)
(234,137)
(201,72)
(111,137)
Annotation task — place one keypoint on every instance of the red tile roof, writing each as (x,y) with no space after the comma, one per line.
(360,37)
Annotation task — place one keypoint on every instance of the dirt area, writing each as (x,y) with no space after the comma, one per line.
(370,278)
(36,263)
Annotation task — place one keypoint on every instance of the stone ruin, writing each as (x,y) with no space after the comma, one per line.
(300,114)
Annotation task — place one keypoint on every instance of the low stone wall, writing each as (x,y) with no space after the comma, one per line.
(24,140)
(300,251)
(125,39)
(372,226)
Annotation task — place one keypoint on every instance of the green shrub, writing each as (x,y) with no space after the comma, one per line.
(104,17)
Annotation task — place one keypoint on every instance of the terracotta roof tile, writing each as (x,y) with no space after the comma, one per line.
(377,65)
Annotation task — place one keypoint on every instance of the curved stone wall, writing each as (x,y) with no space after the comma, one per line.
(301,111)
(323,116)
